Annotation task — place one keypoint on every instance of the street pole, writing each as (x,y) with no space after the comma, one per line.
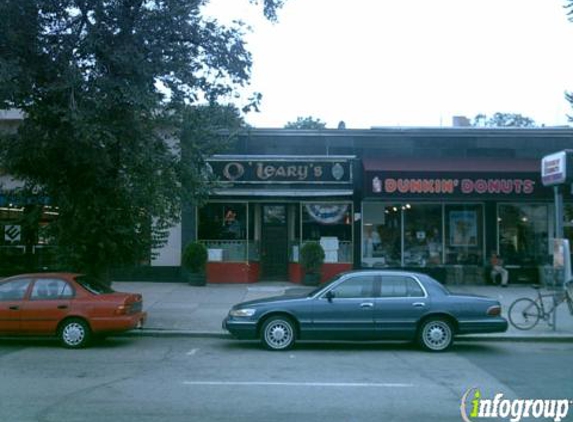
(557,171)
(558,212)
(558,235)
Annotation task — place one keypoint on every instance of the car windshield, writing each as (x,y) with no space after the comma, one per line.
(93,285)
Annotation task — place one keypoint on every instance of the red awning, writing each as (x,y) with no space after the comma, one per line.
(485,165)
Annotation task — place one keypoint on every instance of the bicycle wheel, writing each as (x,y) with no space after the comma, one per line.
(524,314)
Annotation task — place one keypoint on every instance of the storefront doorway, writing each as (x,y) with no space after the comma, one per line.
(274,242)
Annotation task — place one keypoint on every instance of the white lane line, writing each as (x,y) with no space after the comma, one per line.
(192,352)
(301,384)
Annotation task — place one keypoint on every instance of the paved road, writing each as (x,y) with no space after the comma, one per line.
(186,379)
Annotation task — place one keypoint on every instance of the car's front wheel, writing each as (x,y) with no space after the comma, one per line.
(74,333)
(278,333)
(436,335)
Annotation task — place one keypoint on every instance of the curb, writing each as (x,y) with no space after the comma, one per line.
(175,333)
(566,338)
(556,338)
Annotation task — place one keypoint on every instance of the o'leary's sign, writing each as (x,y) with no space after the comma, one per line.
(283,169)
(454,185)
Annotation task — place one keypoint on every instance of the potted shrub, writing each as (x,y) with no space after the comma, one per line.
(194,261)
(311,260)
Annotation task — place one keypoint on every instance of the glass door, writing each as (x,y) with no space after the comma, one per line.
(274,242)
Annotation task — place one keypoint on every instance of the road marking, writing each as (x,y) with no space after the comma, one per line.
(301,384)
(192,352)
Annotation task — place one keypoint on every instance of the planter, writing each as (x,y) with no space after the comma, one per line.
(311,279)
(195,279)
(311,260)
(193,264)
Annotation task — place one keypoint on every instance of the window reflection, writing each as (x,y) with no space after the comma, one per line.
(464,234)
(356,287)
(326,219)
(329,223)
(568,218)
(523,233)
(222,227)
(423,235)
(222,221)
(382,244)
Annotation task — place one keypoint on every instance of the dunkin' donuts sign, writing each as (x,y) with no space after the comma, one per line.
(452,186)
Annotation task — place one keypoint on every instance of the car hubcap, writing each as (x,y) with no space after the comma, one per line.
(73,334)
(437,335)
(278,335)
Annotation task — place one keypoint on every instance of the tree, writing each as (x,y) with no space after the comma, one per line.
(306,123)
(106,86)
(503,120)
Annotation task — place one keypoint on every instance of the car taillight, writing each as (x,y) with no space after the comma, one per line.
(494,310)
(122,309)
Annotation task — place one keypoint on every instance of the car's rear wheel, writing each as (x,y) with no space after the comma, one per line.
(74,333)
(436,334)
(278,333)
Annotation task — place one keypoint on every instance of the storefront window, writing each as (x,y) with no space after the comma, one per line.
(382,228)
(422,235)
(222,221)
(25,242)
(331,225)
(568,220)
(12,238)
(294,232)
(523,233)
(44,250)
(464,234)
(223,228)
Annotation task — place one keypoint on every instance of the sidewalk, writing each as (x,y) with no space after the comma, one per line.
(177,309)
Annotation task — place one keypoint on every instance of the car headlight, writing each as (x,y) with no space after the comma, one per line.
(245,312)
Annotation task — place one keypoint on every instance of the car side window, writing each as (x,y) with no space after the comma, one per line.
(400,286)
(14,290)
(51,289)
(414,288)
(355,287)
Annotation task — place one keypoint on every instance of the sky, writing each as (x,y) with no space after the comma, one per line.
(407,62)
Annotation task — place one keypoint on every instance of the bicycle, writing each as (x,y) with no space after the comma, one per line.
(525,313)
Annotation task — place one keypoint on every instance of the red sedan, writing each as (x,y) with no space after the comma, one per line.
(70,306)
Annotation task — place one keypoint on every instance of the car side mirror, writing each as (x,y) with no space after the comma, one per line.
(330,295)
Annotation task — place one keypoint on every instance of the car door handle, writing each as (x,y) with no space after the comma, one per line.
(62,306)
(418,304)
(13,308)
(367,305)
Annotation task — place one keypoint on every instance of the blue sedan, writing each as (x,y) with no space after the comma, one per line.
(367,305)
